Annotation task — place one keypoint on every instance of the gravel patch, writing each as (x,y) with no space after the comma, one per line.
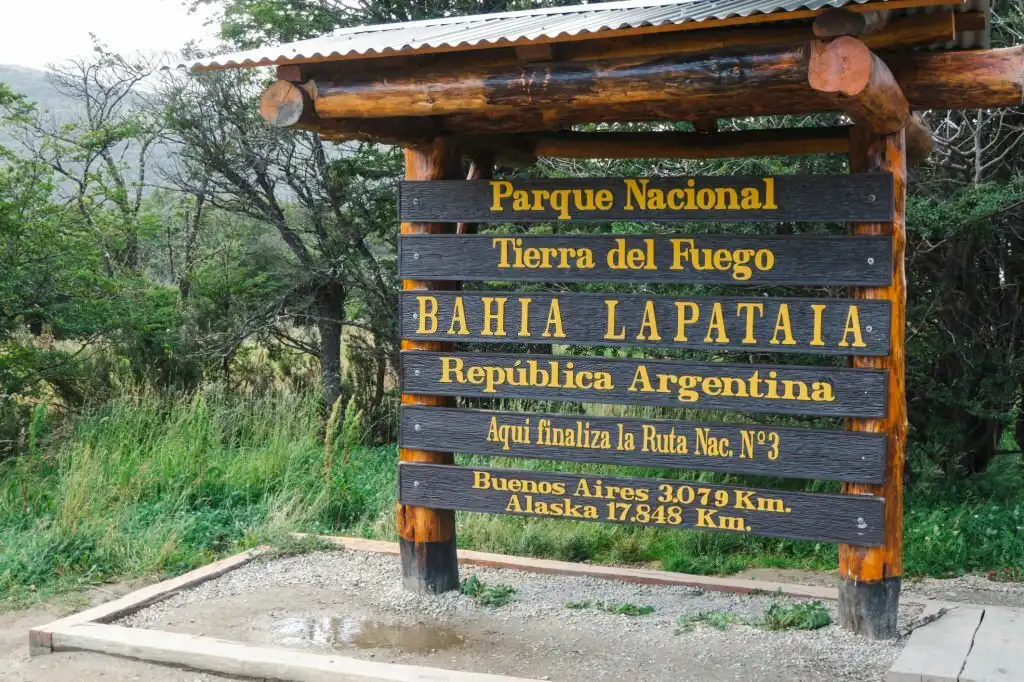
(353,602)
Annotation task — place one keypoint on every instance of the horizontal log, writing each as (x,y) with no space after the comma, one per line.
(498,90)
(668,259)
(813,326)
(859,83)
(961,79)
(764,450)
(852,519)
(731,387)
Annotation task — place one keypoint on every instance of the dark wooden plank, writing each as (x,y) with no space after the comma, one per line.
(733,387)
(823,454)
(699,259)
(643,501)
(807,198)
(823,326)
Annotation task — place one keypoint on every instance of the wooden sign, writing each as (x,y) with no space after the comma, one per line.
(866,197)
(855,520)
(634,259)
(824,454)
(825,326)
(783,389)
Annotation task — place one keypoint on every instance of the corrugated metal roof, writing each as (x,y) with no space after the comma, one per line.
(486,30)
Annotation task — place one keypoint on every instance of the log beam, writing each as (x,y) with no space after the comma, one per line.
(427,536)
(961,79)
(859,83)
(524,99)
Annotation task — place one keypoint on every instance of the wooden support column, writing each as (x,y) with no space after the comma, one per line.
(869,591)
(481,167)
(427,536)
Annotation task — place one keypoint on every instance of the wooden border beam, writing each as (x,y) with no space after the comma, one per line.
(859,83)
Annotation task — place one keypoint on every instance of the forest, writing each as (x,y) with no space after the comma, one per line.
(199,326)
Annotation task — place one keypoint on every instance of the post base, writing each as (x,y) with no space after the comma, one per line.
(429,567)
(870,608)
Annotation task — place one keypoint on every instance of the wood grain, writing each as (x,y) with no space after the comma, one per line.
(823,454)
(797,260)
(855,392)
(821,326)
(867,570)
(427,535)
(798,516)
(808,198)
(859,83)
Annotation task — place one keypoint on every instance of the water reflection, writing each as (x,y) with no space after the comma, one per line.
(344,632)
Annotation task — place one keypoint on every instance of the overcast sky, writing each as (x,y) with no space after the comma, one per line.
(36,32)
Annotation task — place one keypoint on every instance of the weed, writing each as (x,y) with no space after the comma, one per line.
(487,595)
(799,616)
(623,609)
(719,620)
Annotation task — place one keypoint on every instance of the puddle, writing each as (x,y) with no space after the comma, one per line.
(349,632)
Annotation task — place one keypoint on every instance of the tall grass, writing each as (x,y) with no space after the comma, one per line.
(152,485)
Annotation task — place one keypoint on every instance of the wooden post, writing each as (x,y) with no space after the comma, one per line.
(869,591)
(427,536)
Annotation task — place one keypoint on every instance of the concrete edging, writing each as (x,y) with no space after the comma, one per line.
(40,639)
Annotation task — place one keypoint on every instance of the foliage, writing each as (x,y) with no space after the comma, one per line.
(718,620)
(798,616)
(487,595)
(623,609)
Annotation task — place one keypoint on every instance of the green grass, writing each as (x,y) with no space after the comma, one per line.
(623,609)
(798,616)
(157,486)
(487,595)
(718,620)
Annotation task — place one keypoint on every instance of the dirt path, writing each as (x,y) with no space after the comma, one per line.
(17,666)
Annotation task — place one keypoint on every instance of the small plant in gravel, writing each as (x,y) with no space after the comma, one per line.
(719,620)
(487,595)
(799,616)
(625,609)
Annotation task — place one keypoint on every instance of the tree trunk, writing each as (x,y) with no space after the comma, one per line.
(330,312)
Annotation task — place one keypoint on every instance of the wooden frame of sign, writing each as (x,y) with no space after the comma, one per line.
(866,327)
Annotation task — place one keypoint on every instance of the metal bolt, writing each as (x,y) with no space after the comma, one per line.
(871,261)
(415,316)
(416,256)
(869,328)
(415,484)
(861,524)
(416,427)
(416,372)
(415,202)
(871,198)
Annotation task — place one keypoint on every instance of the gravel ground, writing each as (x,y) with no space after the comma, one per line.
(352,602)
